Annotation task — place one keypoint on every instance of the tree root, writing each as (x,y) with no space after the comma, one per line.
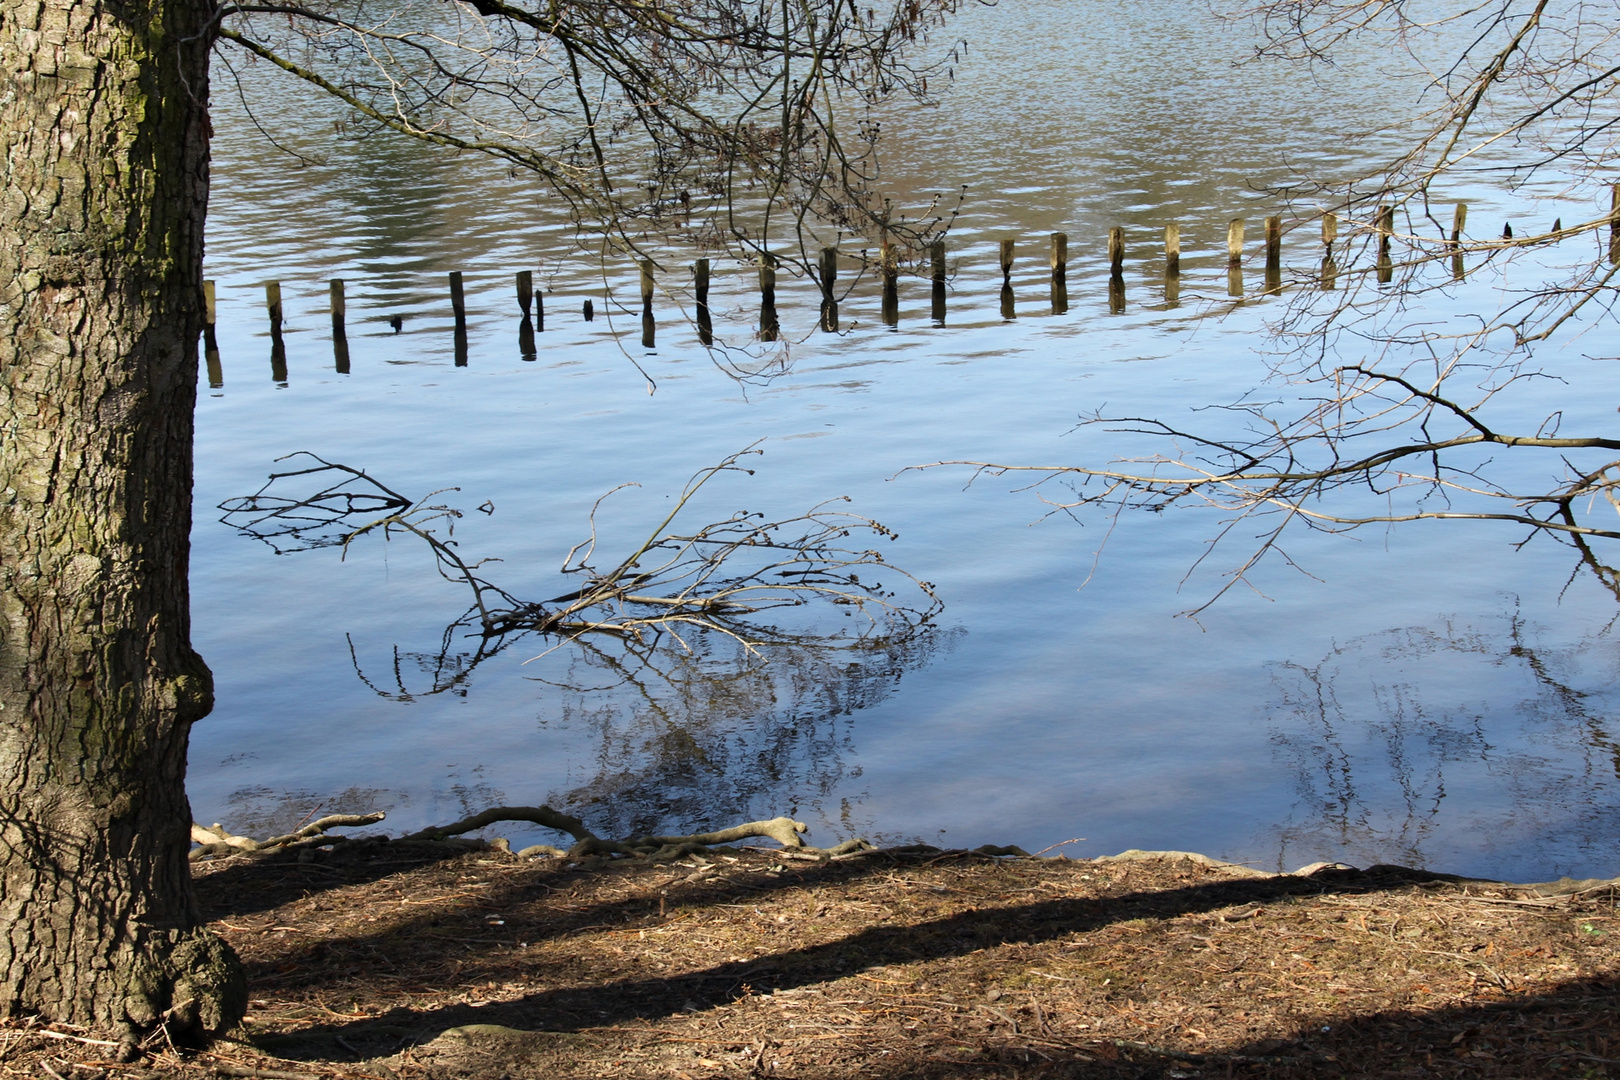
(216,842)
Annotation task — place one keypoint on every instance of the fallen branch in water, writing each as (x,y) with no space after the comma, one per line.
(721,577)
(216,842)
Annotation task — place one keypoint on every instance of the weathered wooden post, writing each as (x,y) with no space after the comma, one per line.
(1614,224)
(1008,307)
(216,374)
(768,326)
(1459,221)
(272,303)
(525,291)
(1330,231)
(525,299)
(936,276)
(1116,270)
(458,305)
(1234,242)
(889,272)
(1172,251)
(1273,255)
(829,297)
(648,326)
(1060,273)
(340,333)
(458,300)
(700,279)
(1384,224)
(278,348)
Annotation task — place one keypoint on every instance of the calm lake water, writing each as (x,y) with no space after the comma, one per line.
(1425,695)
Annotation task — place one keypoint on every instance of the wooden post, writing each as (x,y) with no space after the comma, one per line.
(340,334)
(272,303)
(1008,310)
(216,374)
(1172,251)
(829,298)
(525,291)
(588,310)
(1234,242)
(458,299)
(1459,221)
(700,280)
(1614,224)
(1330,231)
(458,305)
(1060,273)
(1273,255)
(936,275)
(278,348)
(1384,223)
(768,327)
(1116,251)
(648,327)
(890,273)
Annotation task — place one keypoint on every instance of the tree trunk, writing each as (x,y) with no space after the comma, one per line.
(104,116)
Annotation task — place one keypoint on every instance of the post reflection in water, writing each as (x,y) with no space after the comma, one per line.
(216,372)
(1530,755)
(526,347)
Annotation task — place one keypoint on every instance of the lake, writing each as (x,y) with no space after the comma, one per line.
(1427,694)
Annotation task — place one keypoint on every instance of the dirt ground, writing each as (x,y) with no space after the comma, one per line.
(394,962)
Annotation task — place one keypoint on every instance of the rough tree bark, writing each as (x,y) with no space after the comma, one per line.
(104,116)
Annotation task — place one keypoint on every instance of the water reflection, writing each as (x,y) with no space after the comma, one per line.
(526,346)
(688,739)
(1479,720)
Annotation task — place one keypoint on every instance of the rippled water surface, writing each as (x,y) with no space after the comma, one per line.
(1425,695)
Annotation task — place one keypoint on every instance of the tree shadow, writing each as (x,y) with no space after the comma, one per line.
(574,1008)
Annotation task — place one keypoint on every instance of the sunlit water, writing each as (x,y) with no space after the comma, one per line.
(1423,695)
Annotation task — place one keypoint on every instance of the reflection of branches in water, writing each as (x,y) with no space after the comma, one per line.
(1375,760)
(688,737)
(700,708)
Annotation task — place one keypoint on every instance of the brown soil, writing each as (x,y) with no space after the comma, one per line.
(400,962)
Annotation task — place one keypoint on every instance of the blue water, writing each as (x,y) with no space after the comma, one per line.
(1425,694)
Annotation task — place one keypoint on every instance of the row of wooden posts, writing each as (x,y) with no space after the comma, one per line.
(532,302)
